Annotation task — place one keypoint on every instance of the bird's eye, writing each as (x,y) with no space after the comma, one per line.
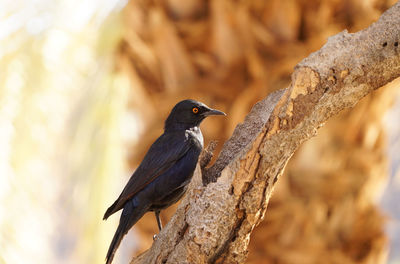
(195,110)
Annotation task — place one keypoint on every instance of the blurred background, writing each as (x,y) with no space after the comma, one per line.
(86,85)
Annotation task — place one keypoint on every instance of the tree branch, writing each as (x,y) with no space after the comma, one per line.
(214,221)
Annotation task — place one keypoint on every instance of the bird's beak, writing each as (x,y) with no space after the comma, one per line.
(213,112)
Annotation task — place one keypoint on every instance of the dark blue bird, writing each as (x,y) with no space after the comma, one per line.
(162,177)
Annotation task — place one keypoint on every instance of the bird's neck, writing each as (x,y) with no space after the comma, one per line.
(195,132)
(180,127)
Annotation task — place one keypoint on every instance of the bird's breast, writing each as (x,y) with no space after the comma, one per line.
(194,134)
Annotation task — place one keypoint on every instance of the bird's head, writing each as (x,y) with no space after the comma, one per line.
(189,113)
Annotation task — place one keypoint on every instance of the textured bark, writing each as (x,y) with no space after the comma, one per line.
(214,221)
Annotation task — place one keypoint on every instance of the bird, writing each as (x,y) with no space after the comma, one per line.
(162,177)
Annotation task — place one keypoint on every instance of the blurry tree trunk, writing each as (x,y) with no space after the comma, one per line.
(224,204)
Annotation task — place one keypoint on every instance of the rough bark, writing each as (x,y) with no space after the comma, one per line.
(214,221)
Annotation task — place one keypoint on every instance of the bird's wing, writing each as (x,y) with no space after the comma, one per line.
(162,155)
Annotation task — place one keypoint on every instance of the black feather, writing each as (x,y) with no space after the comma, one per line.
(162,177)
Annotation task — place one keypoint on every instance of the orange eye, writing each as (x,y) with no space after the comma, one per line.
(195,110)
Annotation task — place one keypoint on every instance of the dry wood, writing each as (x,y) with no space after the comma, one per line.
(214,221)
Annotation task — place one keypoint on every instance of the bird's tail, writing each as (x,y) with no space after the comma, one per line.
(119,234)
(130,215)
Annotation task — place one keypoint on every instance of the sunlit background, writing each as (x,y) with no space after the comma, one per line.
(62,109)
(85,85)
